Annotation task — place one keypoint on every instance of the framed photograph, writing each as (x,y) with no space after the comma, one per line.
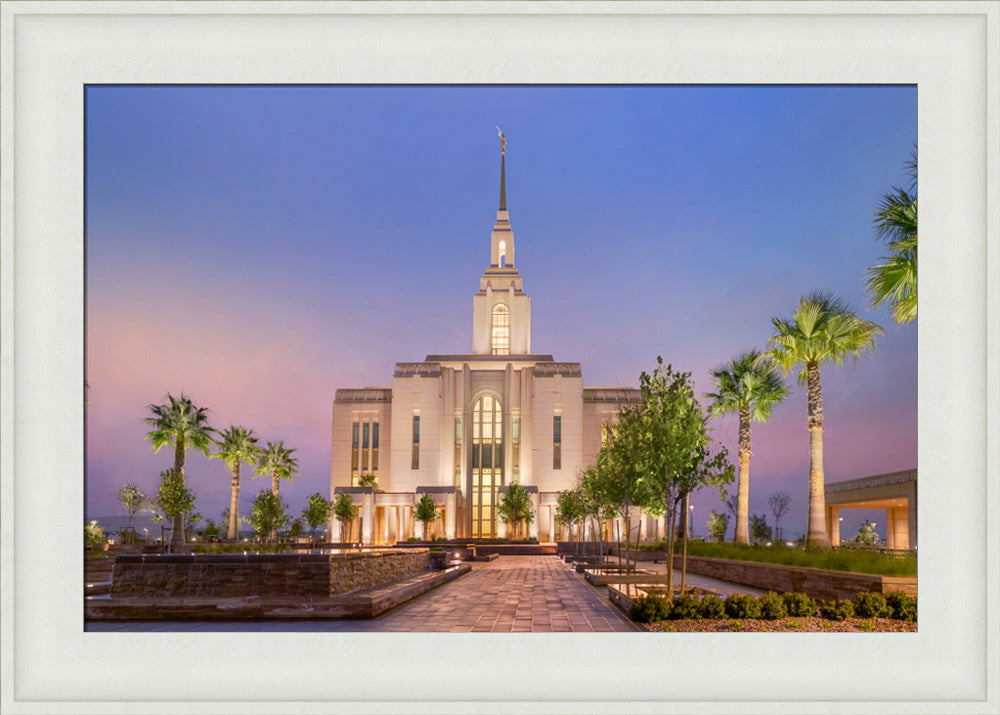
(56,57)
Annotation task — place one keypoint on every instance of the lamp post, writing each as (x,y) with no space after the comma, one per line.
(690,520)
(840,527)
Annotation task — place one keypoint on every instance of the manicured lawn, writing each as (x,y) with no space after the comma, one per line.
(857,560)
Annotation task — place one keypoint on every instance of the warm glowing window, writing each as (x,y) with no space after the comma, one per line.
(503,254)
(501,330)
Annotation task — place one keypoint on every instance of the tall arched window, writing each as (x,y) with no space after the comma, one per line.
(487,464)
(502,250)
(501,330)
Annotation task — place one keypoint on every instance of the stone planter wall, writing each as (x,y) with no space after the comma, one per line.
(818,583)
(242,575)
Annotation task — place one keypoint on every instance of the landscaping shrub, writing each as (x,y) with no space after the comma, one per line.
(838,610)
(871,605)
(712,607)
(685,606)
(436,548)
(648,609)
(799,604)
(772,606)
(902,607)
(742,606)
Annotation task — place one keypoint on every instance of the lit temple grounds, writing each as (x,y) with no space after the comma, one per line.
(492,489)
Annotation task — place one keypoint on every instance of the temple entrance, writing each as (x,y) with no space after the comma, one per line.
(486,471)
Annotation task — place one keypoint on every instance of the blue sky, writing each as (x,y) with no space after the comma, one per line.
(242,242)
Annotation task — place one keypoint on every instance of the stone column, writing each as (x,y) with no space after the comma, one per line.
(911,514)
(367,518)
(450,509)
(833,525)
(333,530)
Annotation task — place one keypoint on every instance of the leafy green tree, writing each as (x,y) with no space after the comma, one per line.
(673,448)
(515,508)
(895,279)
(191,521)
(295,530)
(317,512)
(866,536)
(779,502)
(367,479)
(180,423)
(345,512)
(749,387)
(211,532)
(717,525)
(823,329)
(759,530)
(595,503)
(238,445)
(172,501)
(569,510)
(133,501)
(619,472)
(426,512)
(93,535)
(268,514)
(277,461)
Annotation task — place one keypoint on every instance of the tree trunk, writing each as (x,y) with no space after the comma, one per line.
(671,520)
(232,533)
(274,490)
(177,534)
(743,483)
(816,534)
(684,558)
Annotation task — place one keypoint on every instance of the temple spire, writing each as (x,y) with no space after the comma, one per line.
(503,175)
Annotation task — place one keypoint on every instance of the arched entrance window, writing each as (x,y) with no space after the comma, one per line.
(487,465)
(501,329)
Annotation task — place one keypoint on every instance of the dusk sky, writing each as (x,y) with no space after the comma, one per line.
(256,248)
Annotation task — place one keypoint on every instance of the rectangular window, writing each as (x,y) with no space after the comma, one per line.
(375,448)
(365,433)
(458,431)
(557,442)
(515,431)
(355,453)
(415,457)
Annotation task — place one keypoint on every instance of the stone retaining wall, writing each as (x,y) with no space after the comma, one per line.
(818,583)
(229,575)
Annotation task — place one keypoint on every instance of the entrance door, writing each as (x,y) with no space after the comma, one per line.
(486,473)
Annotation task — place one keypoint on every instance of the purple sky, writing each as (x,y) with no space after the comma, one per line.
(258,247)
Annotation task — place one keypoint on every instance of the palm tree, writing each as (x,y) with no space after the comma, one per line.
(895,280)
(179,422)
(277,460)
(751,388)
(823,329)
(238,444)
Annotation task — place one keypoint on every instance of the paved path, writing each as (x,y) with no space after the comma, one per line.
(519,594)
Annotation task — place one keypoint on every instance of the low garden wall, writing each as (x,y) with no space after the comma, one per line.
(818,583)
(230,575)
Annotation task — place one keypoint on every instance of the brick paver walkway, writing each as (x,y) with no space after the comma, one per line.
(526,594)
(519,594)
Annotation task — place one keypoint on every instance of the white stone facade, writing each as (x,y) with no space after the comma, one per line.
(462,426)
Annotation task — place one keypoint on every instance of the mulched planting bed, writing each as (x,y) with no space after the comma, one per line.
(811,624)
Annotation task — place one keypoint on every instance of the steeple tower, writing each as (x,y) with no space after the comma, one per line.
(502,241)
(501,310)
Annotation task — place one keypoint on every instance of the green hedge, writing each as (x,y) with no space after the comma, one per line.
(771,606)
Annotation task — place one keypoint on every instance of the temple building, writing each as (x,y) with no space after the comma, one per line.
(461,427)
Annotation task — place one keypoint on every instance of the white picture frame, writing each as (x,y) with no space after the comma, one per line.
(51,50)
